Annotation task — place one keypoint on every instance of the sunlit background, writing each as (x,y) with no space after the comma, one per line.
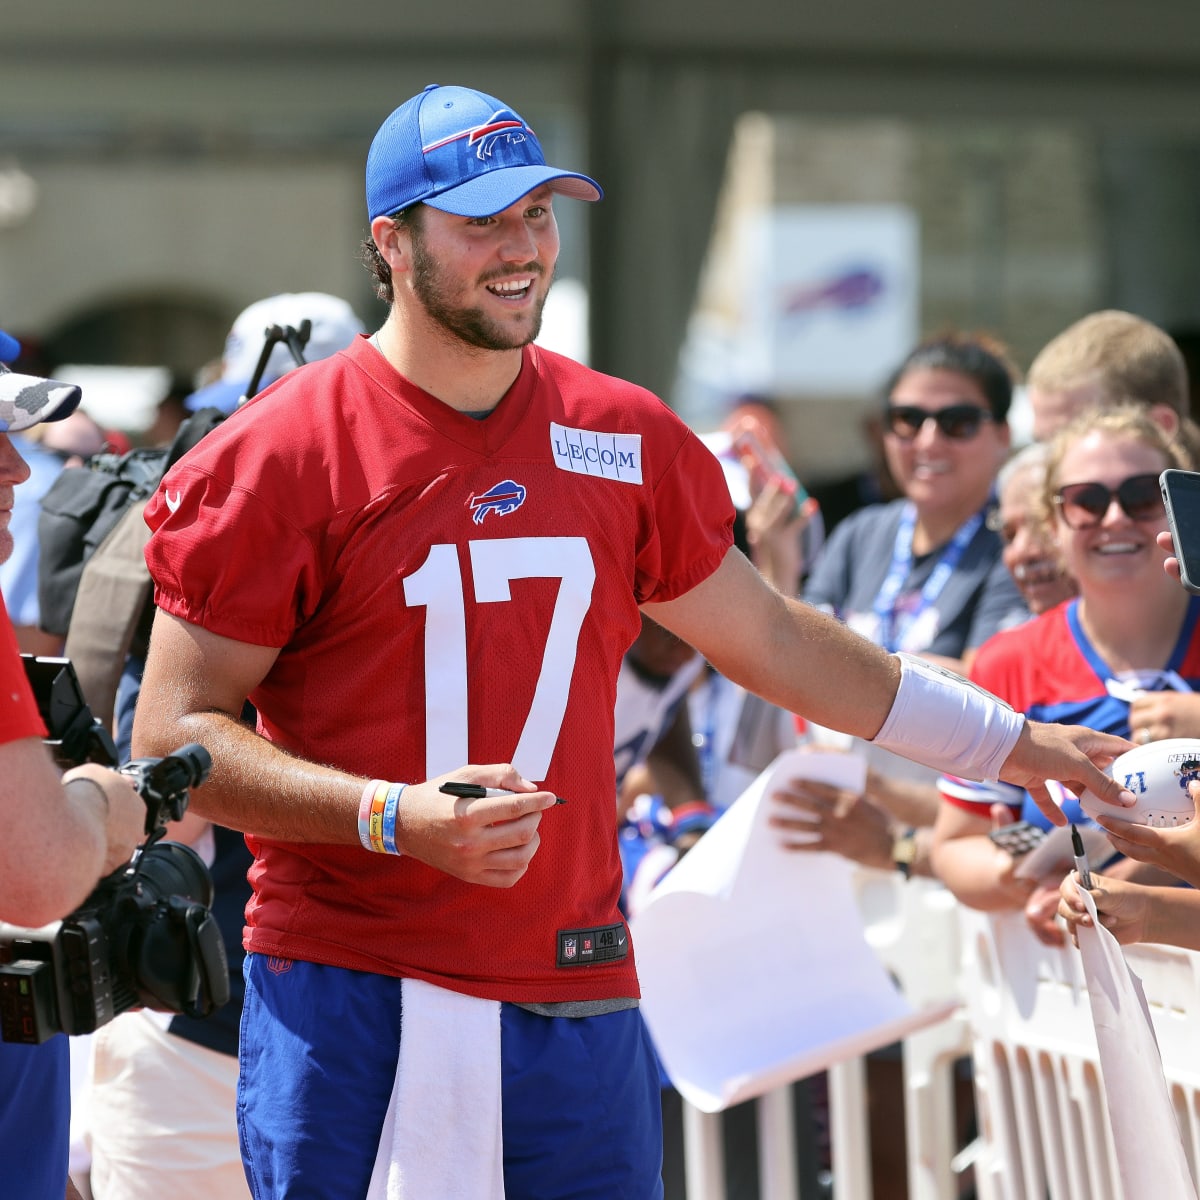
(795,191)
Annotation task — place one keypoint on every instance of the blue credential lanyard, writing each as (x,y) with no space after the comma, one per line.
(901,565)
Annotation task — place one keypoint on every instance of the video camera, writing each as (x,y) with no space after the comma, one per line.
(145,936)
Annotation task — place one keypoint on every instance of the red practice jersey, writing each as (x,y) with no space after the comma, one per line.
(18,713)
(445,591)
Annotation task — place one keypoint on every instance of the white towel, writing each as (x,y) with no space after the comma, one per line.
(441,1138)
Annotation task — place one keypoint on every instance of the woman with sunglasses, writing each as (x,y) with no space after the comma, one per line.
(924,572)
(1130,633)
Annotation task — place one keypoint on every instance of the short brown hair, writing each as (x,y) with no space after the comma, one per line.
(1129,358)
(368,252)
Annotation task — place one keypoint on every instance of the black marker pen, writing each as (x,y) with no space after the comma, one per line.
(1081,862)
(476,791)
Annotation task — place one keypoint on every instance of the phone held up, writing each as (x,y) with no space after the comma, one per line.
(1181,496)
(764,462)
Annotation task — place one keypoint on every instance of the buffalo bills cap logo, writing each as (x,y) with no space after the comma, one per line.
(501,499)
(502,124)
(463,152)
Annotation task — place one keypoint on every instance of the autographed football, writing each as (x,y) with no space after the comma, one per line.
(1158,774)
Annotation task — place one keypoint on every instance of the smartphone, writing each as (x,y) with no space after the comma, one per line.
(764,464)
(1018,838)
(1181,496)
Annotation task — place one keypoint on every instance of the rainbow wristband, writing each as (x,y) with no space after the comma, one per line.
(390,808)
(370,815)
(377,811)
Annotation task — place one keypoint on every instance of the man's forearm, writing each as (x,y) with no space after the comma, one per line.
(257,788)
(791,654)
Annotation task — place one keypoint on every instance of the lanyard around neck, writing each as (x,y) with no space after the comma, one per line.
(902,560)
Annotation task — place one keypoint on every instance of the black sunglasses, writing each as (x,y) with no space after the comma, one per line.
(960,422)
(1083,505)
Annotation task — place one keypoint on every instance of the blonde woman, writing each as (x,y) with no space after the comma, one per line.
(1129,634)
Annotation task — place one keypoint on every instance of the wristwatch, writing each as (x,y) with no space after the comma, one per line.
(904,851)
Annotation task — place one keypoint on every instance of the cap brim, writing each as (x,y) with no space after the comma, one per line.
(27,400)
(494,191)
(222,395)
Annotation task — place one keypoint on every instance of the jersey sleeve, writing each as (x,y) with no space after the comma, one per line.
(227,558)
(19,716)
(692,526)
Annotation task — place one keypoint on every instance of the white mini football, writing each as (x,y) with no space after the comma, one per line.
(1158,774)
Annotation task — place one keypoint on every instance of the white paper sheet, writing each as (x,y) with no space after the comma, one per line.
(1146,1139)
(754,968)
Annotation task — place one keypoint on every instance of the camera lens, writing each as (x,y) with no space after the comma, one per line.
(173,869)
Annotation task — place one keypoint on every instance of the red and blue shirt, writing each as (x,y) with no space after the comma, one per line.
(1050,671)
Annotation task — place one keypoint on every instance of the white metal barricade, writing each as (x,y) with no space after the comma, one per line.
(1040,1093)
(913,927)
(1026,1021)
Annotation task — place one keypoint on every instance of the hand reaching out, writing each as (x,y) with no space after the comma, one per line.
(1133,912)
(1072,754)
(818,816)
(1175,848)
(1122,907)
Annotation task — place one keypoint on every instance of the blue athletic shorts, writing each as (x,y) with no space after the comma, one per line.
(579,1097)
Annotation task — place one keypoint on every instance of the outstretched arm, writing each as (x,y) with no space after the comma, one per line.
(809,663)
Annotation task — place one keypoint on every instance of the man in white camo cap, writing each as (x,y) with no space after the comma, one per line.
(26,400)
(61,834)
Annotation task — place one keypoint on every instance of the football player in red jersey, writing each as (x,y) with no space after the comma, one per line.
(422,560)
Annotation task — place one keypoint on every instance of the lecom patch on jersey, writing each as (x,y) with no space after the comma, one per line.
(609,455)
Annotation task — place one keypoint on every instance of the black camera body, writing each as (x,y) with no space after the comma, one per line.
(145,935)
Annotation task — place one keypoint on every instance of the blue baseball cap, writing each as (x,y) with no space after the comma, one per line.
(10,348)
(463,152)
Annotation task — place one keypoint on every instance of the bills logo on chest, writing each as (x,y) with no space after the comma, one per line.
(616,456)
(501,499)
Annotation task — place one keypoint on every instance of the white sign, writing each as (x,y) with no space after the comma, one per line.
(833,299)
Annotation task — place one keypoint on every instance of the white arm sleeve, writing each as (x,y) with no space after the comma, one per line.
(942,720)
